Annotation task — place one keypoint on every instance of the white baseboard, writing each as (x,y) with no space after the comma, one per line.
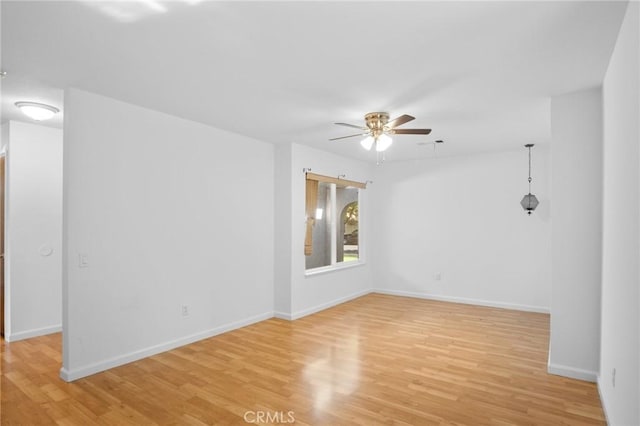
(572,372)
(323,306)
(77,373)
(283,315)
(466,301)
(21,335)
(602,400)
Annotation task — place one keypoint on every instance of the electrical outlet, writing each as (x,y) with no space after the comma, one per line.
(184,309)
(437,276)
(613,377)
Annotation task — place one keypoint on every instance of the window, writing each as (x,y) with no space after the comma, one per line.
(333,221)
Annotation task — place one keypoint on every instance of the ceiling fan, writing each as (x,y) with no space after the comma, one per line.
(379,129)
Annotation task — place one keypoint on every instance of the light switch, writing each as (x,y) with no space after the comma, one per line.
(83,260)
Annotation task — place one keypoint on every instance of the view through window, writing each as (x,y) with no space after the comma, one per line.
(332,224)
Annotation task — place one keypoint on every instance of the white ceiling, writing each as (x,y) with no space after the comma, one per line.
(480,74)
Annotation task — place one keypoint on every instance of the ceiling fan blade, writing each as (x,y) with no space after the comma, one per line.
(350,136)
(412,131)
(351,125)
(400,121)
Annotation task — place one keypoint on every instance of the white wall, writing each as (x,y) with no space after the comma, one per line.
(576,170)
(167,212)
(461,217)
(33,224)
(621,223)
(308,294)
(283,229)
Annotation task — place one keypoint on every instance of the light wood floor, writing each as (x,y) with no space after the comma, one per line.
(375,360)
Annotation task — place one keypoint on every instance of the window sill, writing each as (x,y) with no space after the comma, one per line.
(333,268)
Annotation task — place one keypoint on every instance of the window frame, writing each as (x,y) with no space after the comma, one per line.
(333,225)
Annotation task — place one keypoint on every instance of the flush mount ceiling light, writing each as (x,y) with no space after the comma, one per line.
(37,111)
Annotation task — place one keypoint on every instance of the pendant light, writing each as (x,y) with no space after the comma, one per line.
(529,202)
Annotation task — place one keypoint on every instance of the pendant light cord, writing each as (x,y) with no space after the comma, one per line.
(529,170)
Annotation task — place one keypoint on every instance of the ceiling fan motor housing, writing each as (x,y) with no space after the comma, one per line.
(376,121)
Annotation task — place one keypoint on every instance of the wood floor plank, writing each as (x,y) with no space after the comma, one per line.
(376,360)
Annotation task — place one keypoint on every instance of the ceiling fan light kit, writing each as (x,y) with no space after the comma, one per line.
(367,143)
(383,142)
(379,129)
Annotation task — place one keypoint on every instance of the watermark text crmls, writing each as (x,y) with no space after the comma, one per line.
(274,417)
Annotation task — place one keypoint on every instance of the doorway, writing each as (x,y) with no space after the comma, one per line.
(2,195)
